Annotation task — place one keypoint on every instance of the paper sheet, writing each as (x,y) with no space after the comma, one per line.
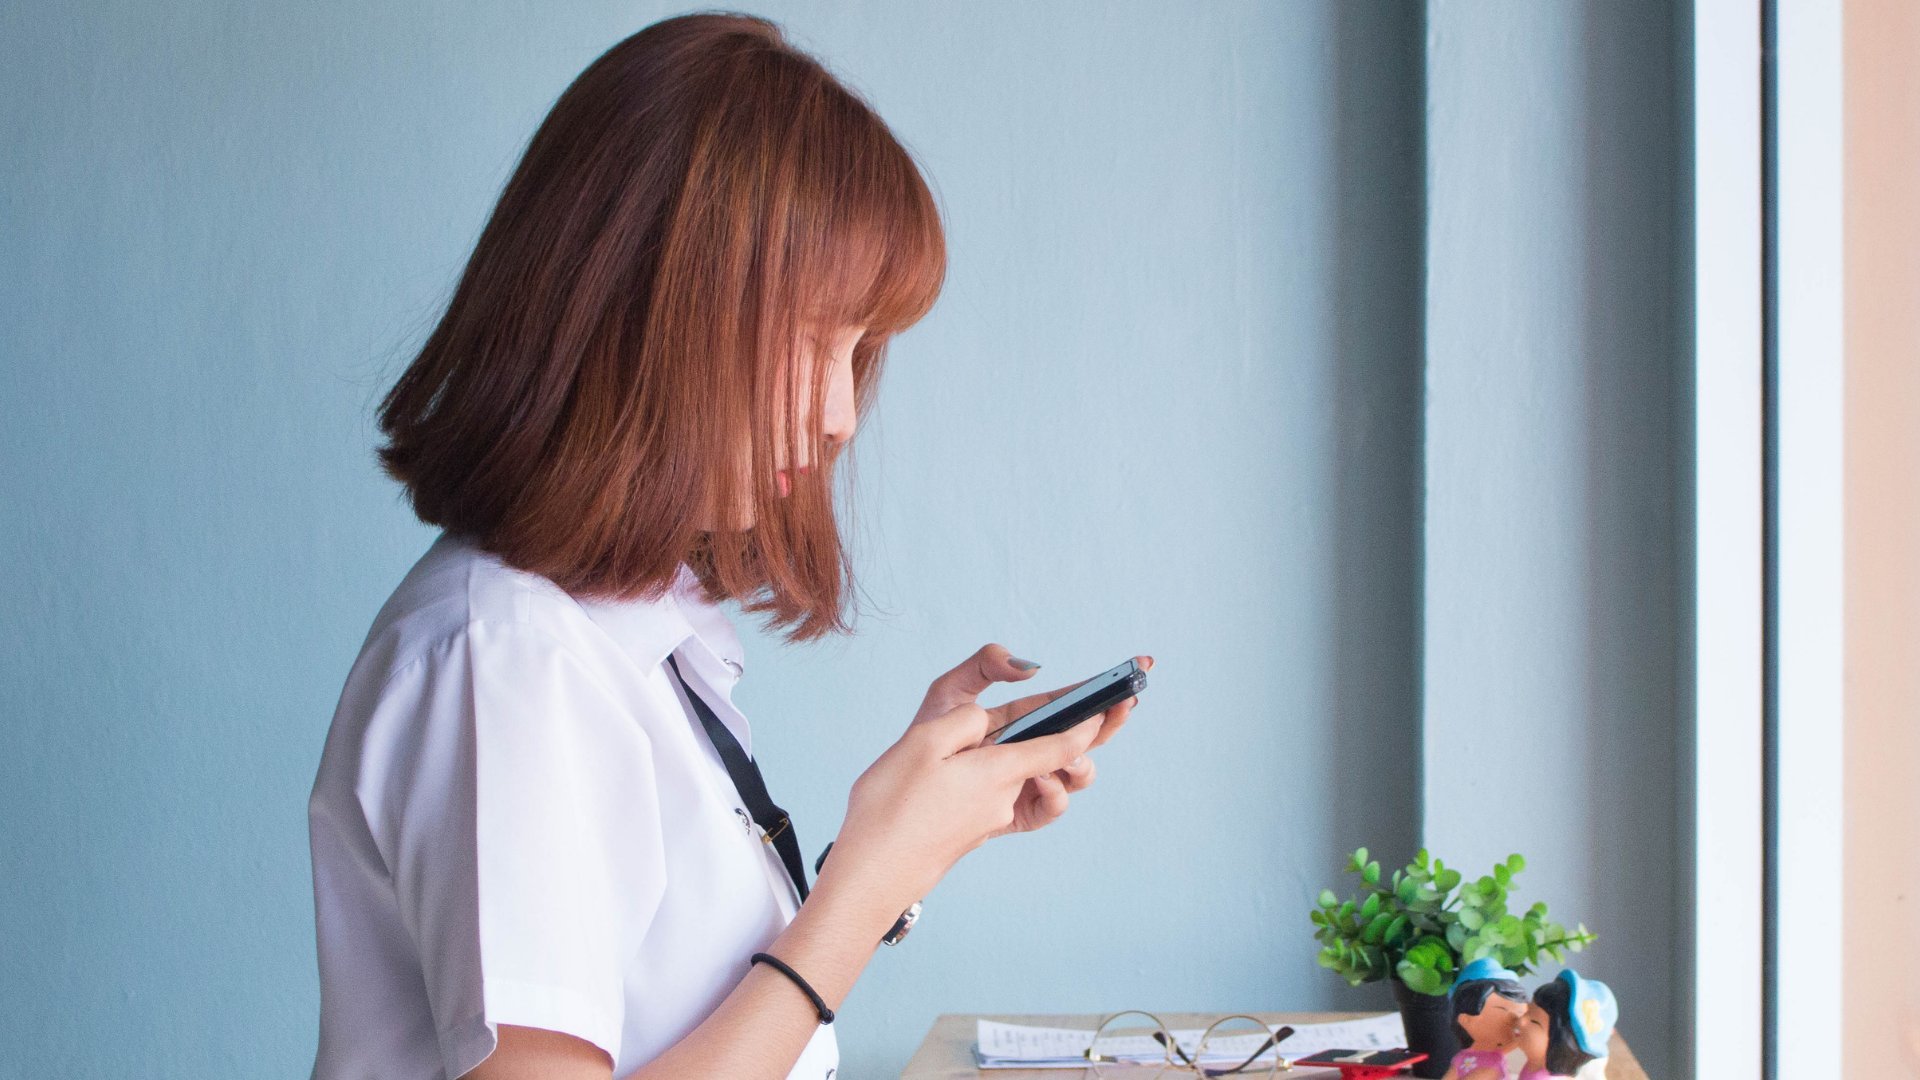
(1020,1046)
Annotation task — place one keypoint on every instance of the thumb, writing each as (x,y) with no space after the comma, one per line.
(1038,757)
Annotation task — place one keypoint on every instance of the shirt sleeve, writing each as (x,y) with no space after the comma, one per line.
(516,807)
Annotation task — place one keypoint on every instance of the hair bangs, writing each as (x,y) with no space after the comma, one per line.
(881,240)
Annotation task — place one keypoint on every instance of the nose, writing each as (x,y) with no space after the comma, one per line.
(840,434)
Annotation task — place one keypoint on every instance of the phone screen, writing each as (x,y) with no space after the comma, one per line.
(1089,699)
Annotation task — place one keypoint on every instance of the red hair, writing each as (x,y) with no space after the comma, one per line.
(617,356)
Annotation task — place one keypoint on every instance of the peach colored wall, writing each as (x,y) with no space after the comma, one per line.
(1882,897)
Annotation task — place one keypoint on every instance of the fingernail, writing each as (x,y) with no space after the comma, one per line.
(1077,762)
(1023,665)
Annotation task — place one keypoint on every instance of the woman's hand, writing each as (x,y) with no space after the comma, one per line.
(944,788)
(1043,798)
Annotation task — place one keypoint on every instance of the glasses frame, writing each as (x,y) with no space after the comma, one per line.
(1170,1046)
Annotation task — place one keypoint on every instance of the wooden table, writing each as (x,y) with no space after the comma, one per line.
(947,1052)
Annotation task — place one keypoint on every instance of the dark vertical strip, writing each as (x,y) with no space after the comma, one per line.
(1685,976)
(1419,494)
(1376,372)
(1770,537)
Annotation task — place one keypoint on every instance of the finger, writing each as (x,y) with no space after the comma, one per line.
(1078,775)
(1116,717)
(1112,721)
(989,665)
(1049,799)
(959,728)
(1038,757)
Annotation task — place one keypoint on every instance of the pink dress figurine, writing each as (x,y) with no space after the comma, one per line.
(1488,1004)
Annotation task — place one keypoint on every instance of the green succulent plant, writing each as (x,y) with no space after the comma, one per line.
(1426,921)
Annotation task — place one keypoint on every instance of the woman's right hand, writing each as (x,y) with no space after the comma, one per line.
(942,789)
(932,797)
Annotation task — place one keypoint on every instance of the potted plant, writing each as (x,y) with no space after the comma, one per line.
(1419,926)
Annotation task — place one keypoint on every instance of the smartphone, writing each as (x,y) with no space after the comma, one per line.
(1089,699)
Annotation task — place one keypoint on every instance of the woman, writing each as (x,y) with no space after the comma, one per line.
(538,847)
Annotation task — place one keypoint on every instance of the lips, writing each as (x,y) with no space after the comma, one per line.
(786,482)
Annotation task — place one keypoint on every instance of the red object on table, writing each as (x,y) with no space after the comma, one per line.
(1361,1070)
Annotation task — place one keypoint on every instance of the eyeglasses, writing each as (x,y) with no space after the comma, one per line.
(1135,1045)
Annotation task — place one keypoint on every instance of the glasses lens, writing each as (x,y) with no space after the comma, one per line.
(1130,1046)
(1239,1047)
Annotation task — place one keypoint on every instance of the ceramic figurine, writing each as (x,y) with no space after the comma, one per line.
(1488,1004)
(1567,1025)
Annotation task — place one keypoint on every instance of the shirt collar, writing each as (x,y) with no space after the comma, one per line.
(650,630)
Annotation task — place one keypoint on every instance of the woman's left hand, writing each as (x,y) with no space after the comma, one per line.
(1044,798)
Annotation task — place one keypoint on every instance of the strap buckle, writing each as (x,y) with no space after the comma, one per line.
(767,835)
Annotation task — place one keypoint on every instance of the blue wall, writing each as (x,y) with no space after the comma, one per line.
(1177,380)
(1177,372)
(1553,647)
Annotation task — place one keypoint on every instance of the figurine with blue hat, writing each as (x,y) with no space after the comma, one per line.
(1568,1024)
(1488,1005)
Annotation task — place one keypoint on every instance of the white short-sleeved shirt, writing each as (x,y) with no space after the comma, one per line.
(517,820)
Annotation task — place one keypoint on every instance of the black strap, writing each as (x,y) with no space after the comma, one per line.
(775,826)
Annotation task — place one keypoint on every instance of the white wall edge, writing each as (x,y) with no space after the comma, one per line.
(1810,764)
(1724,882)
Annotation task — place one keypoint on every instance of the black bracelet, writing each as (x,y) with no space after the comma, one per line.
(819,1005)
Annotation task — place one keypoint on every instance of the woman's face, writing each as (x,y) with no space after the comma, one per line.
(837,419)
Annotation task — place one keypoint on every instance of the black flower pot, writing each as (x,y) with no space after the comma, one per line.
(1429,1021)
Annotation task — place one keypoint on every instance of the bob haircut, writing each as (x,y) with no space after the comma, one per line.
(609,378)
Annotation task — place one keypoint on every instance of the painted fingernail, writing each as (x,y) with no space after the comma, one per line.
(1023,665)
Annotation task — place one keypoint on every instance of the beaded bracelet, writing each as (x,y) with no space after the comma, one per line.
(819,1004)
